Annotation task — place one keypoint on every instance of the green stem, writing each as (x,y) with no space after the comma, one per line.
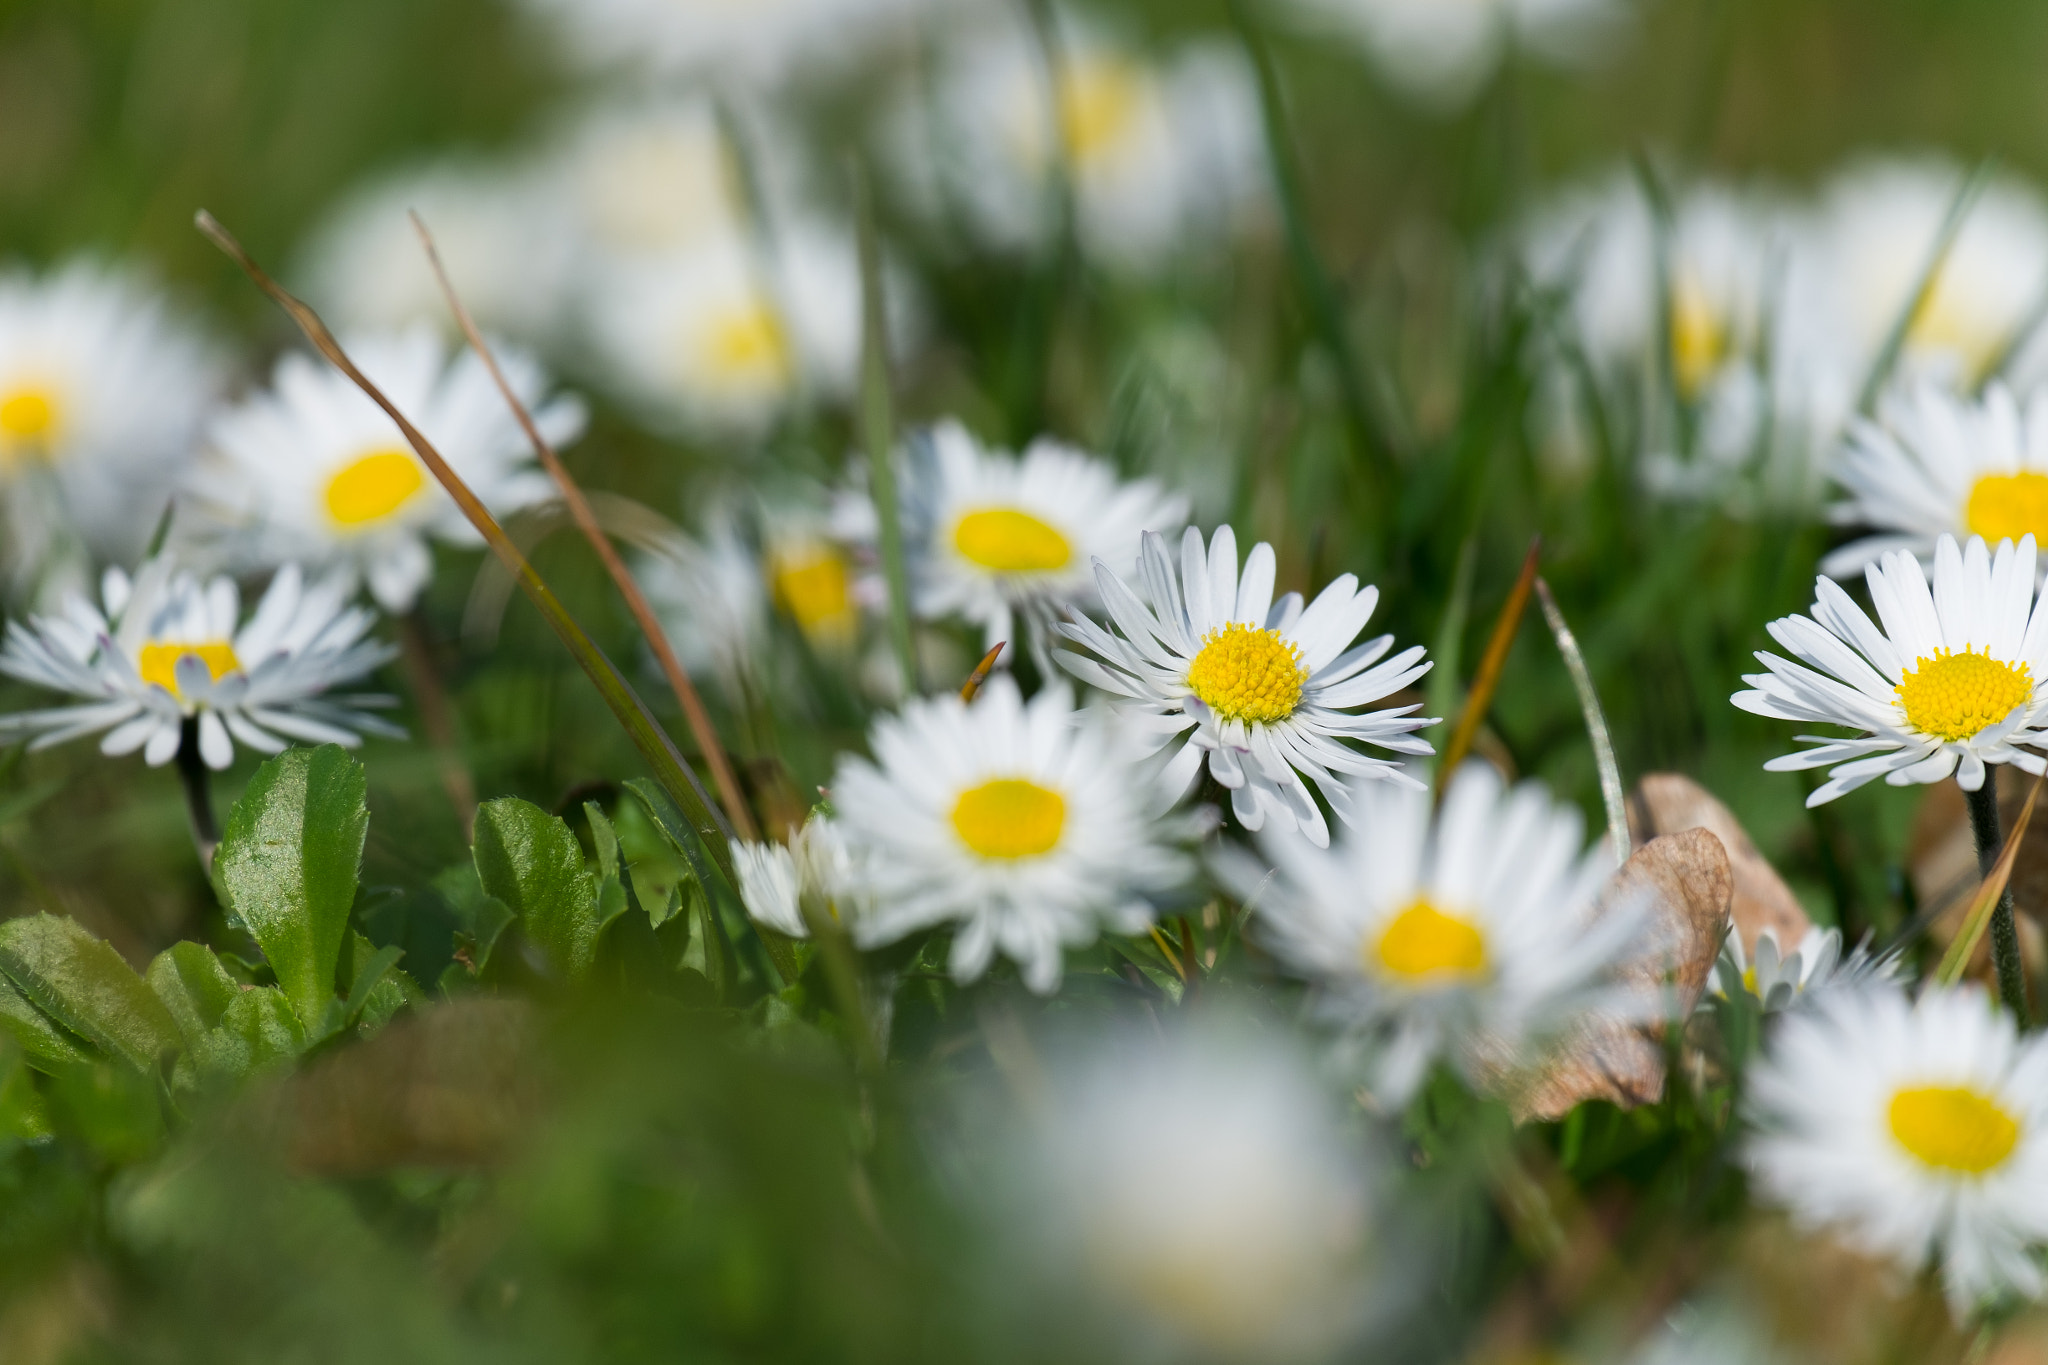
(878,428)
(198,784)
(2005,938)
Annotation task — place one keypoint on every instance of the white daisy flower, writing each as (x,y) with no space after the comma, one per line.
(1956,679)
(817,864)
(102,391)
(166,653)
(1439,52)
(1778,980)
(1880,223)
(318,474)
(759,42)
(505,237)
(1026,824)
(1267,690)
(650,179)
(1159,151)
(1911,1130)
(1938,463)
(711,602)
(992,535)
(1467,936)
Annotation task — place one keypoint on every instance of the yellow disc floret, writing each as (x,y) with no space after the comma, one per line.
(157,661)
(1009,541)
(28,417)
(1953,1128)
(1954,696)
(1248,673)
(373,487)
(1010,818)
(748,344)
(1423,944)
(812,584)
(1099,102)
(2008,506)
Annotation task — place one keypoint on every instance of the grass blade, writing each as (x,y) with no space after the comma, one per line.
(1611,794)
(1944,240)
(1979,919)
(878,427)
(645,732)
(1490,664)
(692,705)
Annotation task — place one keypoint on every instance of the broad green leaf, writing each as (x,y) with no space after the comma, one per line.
(194,987)
(605,838)
(364,970)
(483,917)
(260,1030)
(47,1043)
(288,863)
(529,860)
(83,984)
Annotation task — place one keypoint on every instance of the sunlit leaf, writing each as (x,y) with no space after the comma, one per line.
(82,983)
(531,861)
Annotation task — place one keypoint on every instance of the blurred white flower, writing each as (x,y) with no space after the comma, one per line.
(1439,52)
(817,864)
(311,470)
(1267,691)
(1956,679)
(1911,1130)
(1881,222)
(170,651)
(1776,978)
(102,390)
(506,239)
(1159,150)
(648,179)
(1027,824)
(1468,936)
(711,601)
(1937,463)
(757,41)
(1193,1191)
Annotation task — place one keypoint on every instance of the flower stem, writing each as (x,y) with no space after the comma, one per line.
(198,793)
(2005,938)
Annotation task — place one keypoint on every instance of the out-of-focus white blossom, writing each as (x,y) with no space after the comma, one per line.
(1439,52)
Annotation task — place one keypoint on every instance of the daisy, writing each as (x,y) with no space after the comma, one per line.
(817,864)
(316,472)
(1913,1130)
(1440,52)
(1467,936)
(505,238)
(102,390)
(711,602)
(993,535)
(1881,222)
(761,41)
(1956,678)
(1939,463)
(165,653)
(1024,824)
(1267,690)
(1777,979)
(1158,151)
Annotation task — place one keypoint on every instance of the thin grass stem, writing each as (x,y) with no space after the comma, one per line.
(878,427)
(1611,792)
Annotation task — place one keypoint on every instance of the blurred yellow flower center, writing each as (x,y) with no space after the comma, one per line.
(1699,343)
(1010,541)
(748,343)
(158,662)
(2008,506)
(1422,943)
(1098,101)
(1953,1128)
(1953,696)
(1010,818)
(373,487)
(1946,321)
(813,586)
(1248,673)
(28,416)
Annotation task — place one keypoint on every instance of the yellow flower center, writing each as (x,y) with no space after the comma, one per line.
(1098,102)
(158,661)
(1699,343)
(813,586)
(373,487)
(28,417)
(2008,506)
(1010,541)
(1953,696)
(1953,1128)
(1424,944)
(1248,673)
(748,344)
(1010,818)
(1947,321)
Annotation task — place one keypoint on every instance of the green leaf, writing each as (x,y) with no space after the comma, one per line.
(194,987)
(83,984)
(49,1045)
(288,863)
(529,860)
(482,917)
(711,877)
(604,837)
(24,1117)
(371,965)
(259,1031)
